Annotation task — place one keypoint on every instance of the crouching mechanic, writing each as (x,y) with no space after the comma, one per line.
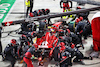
(70,55)
(10,52)
(28,55)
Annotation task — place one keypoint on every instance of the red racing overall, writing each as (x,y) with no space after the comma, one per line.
(28,55)
(65,4)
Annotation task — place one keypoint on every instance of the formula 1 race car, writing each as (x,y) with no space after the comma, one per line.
(46,41)
(53,40)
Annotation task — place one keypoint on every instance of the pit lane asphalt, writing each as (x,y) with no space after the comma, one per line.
(39,4)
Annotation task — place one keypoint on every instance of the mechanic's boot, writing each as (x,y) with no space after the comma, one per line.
(85,37)
(82,46)
(91,58)
(81,62)
(78,46)
(3,56)
(94,54)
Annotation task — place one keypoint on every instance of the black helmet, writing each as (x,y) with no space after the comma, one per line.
(35,13)
(39,12)
(43,11)
(31,27)
(61,32)
(47,11)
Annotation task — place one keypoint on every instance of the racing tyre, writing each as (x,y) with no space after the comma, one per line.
(56,54)
(20,52)
(50,58)
(64,65)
